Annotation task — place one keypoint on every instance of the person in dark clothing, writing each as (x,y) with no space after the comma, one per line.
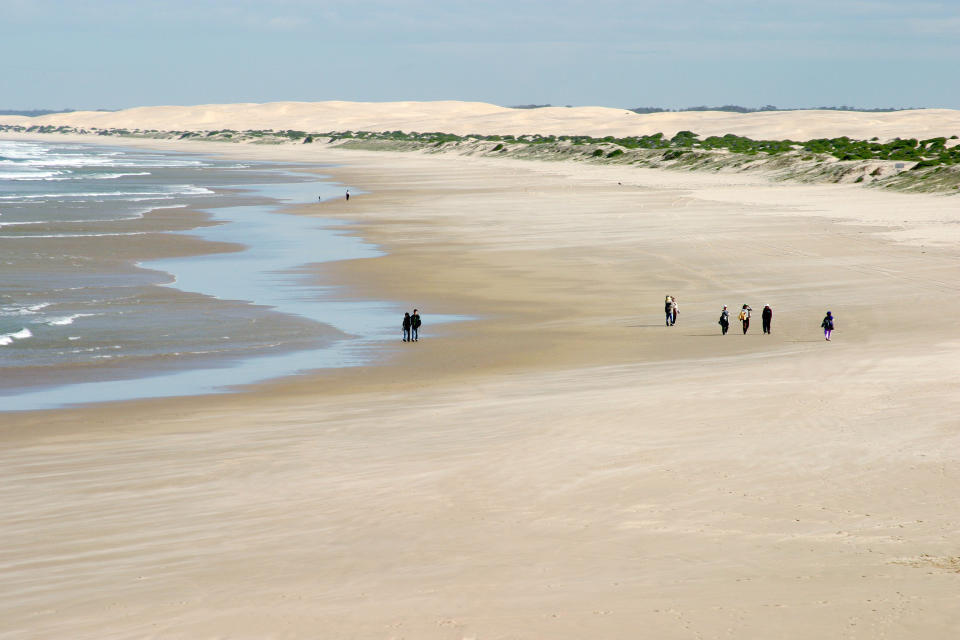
(415,326)
(406,327)
(744,317)
(670,310)
(827,325)
(724,320)
(767,317)
(348,195)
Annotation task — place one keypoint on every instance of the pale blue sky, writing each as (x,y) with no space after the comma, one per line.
(674,53)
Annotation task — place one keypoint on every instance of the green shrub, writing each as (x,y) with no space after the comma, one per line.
(684,139)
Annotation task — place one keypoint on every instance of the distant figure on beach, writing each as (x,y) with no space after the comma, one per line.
(415,326)
(406,327)
(744,317)
(348,195)
(767,317)
(724,320)
(827,325)
(670,310)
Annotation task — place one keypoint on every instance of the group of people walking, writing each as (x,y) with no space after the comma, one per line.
(766,316)
(411,326)
(411,321)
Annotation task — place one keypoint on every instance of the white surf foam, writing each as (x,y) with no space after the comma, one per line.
(136,215)
(58,177)
(75,235)
(175,190)
(8,338)
(31,175)
(14,310)
(64,320)
(17,224)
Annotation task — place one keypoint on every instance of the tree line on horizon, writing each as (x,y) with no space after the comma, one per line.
(42,112)
(735,108)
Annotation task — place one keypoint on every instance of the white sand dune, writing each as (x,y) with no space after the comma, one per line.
(481,118)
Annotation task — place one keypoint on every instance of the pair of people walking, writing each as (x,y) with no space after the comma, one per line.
(671,310)
(411,326)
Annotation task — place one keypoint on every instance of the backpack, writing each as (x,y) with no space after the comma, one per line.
(742,316)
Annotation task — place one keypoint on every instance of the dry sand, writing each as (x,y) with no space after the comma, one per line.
(480,118)
(561,466)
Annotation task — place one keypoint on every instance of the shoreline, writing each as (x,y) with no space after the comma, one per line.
(560,465)
(360,280)
(190,251)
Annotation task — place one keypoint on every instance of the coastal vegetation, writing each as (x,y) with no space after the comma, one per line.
(908,164)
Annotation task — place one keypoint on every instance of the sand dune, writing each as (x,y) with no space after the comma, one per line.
(481,118)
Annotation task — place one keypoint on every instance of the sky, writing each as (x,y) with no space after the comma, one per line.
(115,54)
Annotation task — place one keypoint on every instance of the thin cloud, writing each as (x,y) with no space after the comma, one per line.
(938,27)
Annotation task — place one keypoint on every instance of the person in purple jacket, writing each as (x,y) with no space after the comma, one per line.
(827,325)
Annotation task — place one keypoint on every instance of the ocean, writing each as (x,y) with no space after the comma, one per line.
(128,273)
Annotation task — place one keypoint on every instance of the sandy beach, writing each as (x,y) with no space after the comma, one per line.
(559,465)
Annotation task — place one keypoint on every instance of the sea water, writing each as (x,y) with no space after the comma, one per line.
(87,314)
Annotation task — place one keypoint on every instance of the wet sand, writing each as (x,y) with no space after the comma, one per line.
(562,465)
